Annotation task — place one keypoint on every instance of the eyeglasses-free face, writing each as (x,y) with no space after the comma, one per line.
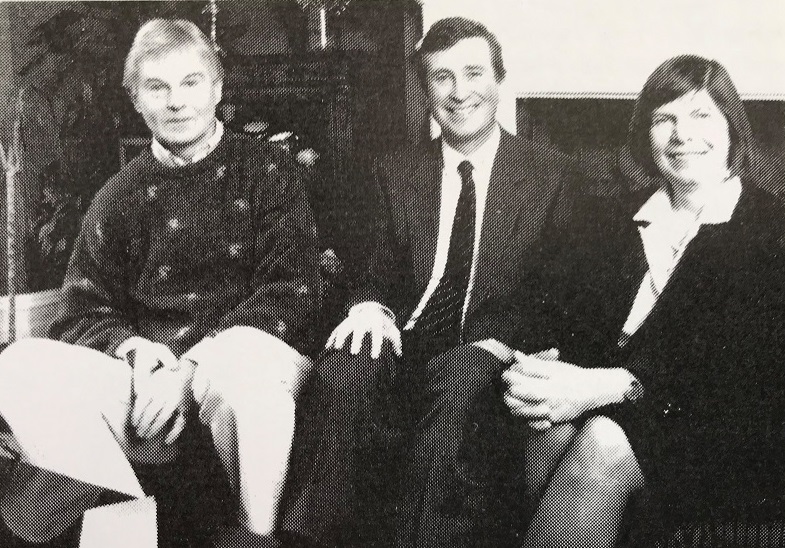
(463,92)
(177,95)
(690,140)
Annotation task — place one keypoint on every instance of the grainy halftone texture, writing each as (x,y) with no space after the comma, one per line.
(347,383)
(731,534)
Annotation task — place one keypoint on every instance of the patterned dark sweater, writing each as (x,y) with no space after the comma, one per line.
(177,254)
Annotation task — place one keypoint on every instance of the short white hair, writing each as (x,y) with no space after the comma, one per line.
(158,37)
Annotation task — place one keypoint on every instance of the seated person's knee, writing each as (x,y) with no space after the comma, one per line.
(457,377)
(605,452)
(32,360)
(236,393)
(342,376)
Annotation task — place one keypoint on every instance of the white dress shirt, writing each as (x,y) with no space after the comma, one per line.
(482,162)
(167,158)
(665,233)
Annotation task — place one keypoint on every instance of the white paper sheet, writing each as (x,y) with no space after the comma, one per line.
(59,425)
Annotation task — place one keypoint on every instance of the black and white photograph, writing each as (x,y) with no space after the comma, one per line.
(392,274)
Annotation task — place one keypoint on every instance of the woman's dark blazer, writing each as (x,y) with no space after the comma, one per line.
(711,356)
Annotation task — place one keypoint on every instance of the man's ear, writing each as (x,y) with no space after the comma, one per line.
(218,88)
(132,95)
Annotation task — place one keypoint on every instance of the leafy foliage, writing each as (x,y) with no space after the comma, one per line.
(73,114)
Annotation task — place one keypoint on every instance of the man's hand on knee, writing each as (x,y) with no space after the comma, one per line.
(367,318)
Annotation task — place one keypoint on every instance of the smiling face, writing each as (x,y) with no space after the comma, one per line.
(463,92)
(690,140)
(176,95)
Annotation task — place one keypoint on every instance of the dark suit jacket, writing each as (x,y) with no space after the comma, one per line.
(527,197)
(709,431)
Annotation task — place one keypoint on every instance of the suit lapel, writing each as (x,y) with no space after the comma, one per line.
(506,192)
(611,265)
(715,251)
(425,202)
(508,195)
(628,273)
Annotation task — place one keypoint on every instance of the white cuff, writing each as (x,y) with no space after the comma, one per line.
(367,306)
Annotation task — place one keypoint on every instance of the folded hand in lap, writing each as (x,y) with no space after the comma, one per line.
(161,388)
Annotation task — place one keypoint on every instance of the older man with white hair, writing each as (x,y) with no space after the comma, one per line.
(190,294)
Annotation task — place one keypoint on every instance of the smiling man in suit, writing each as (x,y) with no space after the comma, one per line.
(460,220)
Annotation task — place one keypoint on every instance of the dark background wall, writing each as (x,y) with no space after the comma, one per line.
(350,101)
(593,130)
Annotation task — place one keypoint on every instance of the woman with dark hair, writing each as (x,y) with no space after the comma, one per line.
(664,318)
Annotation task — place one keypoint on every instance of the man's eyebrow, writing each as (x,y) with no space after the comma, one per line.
(474,67)
(195,74)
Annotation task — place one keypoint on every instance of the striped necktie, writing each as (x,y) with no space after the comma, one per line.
(439,325)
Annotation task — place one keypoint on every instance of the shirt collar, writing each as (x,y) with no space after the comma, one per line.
(166,157)
(718,205)
(481,159)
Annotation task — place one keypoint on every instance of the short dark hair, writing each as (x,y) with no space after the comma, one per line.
(445,33)
(679,76)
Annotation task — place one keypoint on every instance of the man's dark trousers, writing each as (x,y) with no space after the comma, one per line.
(402,451)
(349,397)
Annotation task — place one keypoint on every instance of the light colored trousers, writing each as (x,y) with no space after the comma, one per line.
(244,388)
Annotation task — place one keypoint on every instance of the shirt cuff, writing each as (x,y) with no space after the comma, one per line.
(362,307)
